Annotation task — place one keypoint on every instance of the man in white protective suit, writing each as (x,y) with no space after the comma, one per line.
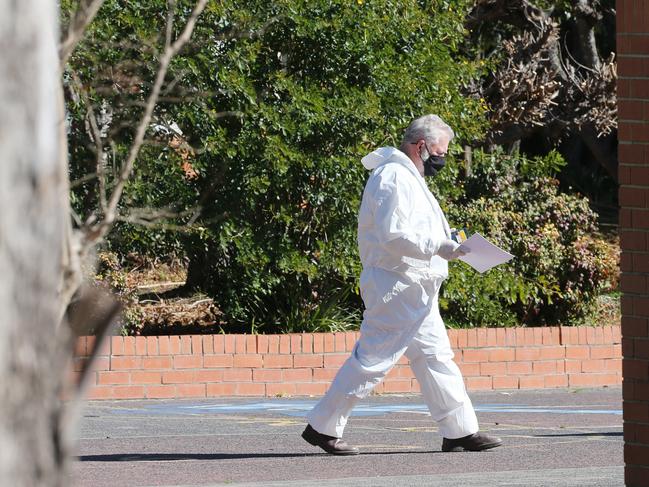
(405,245)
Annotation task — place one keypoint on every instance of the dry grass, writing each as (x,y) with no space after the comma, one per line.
(162,306)
(608,311)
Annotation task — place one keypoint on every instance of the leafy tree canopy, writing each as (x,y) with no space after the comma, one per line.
(279,100)
(255,146)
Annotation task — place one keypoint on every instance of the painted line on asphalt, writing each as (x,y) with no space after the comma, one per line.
(300,408)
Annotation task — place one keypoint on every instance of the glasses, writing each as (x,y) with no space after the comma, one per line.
(429,151)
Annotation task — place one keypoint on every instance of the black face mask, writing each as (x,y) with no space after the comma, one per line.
(433,164)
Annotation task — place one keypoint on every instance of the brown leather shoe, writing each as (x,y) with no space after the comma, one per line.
(330,444)
(475,442)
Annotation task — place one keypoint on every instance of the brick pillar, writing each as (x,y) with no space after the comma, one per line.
(633,114)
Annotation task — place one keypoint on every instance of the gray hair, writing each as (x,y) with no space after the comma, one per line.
(429,128)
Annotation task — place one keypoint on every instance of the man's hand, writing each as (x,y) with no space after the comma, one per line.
(451,250)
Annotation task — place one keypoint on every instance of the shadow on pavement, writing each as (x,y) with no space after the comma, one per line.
(157,457)
(607,433)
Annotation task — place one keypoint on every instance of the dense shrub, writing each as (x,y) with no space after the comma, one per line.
(324,85)
(280,100)
(561,263)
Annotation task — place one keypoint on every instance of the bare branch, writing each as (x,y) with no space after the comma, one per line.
(98,231)
(520,13)
(96,135)
(172,84)
(539,82)
(82,18)
(238,34)
(169,31)
(83,180)
(158,225)
(152,215)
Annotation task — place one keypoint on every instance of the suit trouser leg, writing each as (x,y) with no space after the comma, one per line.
(352,382)
(440,379)
(360,373)
(390,322)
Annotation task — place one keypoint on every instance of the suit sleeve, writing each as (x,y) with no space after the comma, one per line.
(394,202)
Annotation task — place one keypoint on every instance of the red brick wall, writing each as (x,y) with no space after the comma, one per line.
(633,154)
(304,364)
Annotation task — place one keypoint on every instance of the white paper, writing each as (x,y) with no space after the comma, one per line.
(484,255)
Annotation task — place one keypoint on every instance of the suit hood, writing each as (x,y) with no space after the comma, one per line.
(379,156)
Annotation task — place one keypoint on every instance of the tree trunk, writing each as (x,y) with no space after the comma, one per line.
(33,352)
(586,18)
(603,149)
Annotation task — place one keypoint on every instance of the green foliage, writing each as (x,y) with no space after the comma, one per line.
(560,265)
(277,102)
(280,100)
(324,83)
(112,72)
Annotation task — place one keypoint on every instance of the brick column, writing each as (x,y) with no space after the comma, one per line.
(633,114)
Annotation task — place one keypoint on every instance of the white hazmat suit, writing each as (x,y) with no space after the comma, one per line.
(402,232)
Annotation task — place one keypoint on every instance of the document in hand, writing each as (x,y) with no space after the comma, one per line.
(484,255)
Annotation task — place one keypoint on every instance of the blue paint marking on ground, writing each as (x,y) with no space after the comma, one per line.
(300,408)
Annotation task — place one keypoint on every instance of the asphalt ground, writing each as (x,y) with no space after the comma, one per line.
(567,437)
